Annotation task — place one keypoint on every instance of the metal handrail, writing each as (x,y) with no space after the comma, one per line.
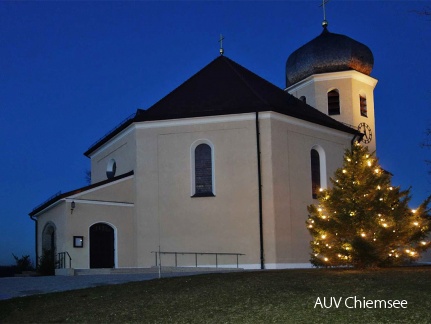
(159,253)
(62,261)
(113,129)
(58,193)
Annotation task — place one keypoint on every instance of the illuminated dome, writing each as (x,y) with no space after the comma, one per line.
(328,52)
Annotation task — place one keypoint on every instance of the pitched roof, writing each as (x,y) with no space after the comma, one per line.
(224,87)
(58,197)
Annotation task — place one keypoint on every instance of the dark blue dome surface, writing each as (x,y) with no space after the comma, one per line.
(328,52)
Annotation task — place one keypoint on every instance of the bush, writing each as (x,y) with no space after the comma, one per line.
(24,263)
(46,266)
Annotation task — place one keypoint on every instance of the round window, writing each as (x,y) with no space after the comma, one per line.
(111,169)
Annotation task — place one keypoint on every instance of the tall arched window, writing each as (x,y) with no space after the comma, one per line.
(203,171)
(315,173)
(333,102)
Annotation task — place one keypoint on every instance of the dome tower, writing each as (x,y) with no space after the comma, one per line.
(332,74)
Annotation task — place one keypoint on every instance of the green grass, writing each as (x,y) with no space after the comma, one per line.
(286,296)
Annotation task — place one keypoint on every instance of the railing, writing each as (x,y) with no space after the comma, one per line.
(62,258)
(113,129)
(158,255)
(45,201)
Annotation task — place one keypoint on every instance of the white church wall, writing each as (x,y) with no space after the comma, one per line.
(292,142)
(55,216)
(366,89)
(92,207)
(350,84)
(121,218)
(121,149)
(304,89)
(168,216)
(122,190)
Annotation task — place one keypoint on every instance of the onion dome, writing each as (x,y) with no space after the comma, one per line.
(328,52)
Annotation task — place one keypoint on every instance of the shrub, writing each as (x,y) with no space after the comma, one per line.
(24,263)
(46,266)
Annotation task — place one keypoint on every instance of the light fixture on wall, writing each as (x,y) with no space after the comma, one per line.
(72,207)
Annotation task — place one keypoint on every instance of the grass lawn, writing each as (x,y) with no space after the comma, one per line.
(282,296)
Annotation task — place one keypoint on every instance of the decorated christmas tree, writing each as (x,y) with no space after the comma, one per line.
(364,221)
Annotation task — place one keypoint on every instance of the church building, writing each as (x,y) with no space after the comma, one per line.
(220,171)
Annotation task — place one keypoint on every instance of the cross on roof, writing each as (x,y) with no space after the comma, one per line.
(324,22)
(221,44)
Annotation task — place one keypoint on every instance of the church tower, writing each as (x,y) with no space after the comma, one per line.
(332,74)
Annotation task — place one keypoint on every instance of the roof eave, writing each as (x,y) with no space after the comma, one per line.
(50,203)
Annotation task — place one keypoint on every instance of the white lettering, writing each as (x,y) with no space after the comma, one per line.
(379,302)
(318,302)
(359,302)
(339,302)
(345,302)
(328,302)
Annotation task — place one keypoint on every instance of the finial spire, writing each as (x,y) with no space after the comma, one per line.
(221,44)
(324,22)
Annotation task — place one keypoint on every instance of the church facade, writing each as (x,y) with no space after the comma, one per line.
(220,171)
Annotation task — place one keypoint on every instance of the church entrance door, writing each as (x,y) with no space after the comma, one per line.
(101,246)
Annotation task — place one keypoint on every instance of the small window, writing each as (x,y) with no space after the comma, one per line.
(333,102)
(303,99)
(203,171)
(315,173)
(363,105)
(78,241)
(111,169)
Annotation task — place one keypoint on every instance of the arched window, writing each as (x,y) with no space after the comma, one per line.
(315,173)
(303,99)
(363,105)
(48,237)
(333,102)
(203,171)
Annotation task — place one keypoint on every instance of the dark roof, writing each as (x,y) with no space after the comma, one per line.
(56,198)
(328,52)
(224,87)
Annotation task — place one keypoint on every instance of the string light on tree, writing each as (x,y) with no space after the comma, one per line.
(371,223)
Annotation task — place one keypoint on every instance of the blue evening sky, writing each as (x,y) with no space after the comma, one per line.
(71,71)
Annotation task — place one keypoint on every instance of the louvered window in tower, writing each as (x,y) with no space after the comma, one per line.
(363,105)
(333,102)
